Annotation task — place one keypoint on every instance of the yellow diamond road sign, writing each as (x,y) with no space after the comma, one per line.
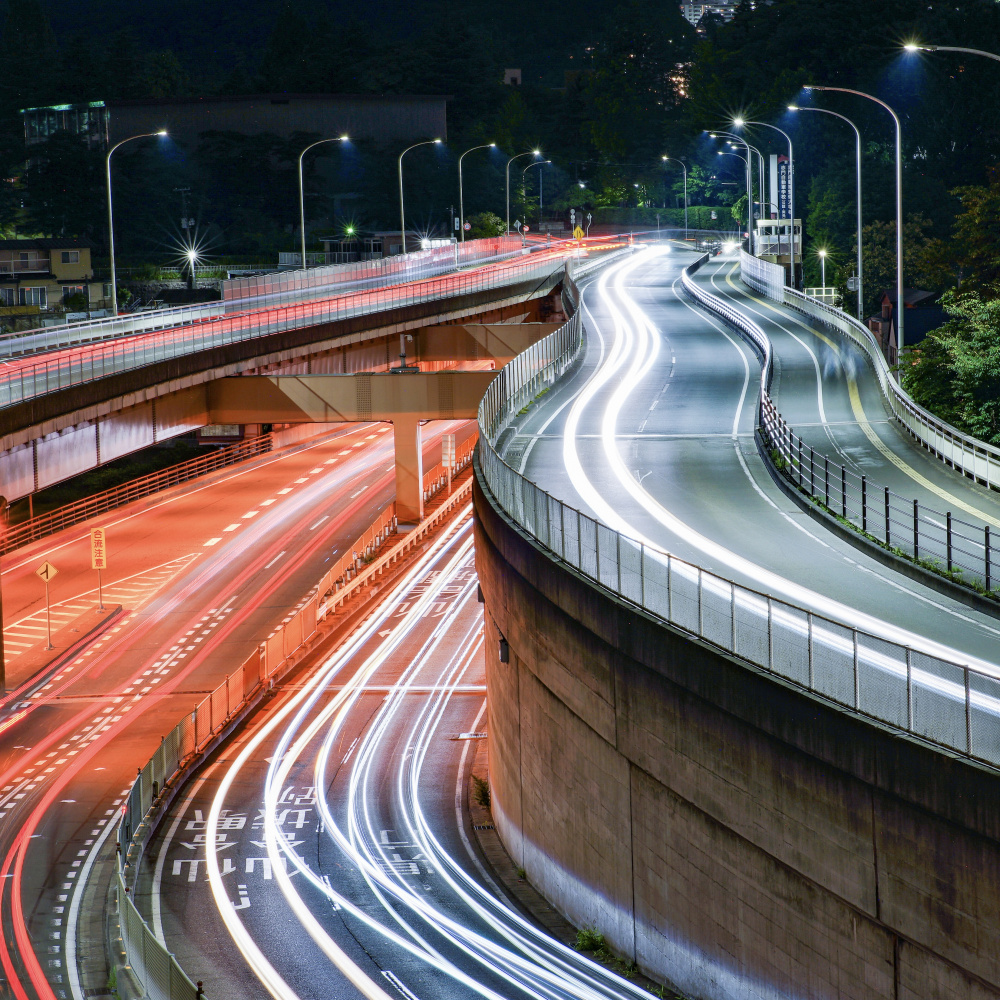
(46,571)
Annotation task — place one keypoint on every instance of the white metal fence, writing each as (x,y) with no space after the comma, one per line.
(973,457)
(946,703)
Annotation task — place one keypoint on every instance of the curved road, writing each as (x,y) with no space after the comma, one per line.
(662,448)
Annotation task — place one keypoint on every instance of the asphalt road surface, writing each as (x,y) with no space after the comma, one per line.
(203,574)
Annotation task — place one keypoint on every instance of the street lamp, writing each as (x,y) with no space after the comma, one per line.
(531,152)
(822,266)
(111,219)
(914,47)
(540,163)
(461,203)
(857,136)
(302,202)
(740,123)
(745,160)
(402,215)
(900,305)
(672,159)
(739,138)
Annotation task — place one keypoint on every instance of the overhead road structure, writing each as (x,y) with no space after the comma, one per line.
(84,406)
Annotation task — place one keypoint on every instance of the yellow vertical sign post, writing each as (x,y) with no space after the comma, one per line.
(98,560)
(47,571)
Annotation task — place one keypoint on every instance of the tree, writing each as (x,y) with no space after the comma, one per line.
(879,243)
(486,224)
(955,370)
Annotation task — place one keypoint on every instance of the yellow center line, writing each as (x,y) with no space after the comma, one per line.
(862,418)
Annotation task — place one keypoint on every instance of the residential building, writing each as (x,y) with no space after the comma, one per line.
(38,276)
(922,316)
(384,119)
(694,12)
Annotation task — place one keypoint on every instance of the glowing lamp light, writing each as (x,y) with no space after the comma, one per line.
(738,122)
(162,132)
(345,138)
(438,141)
(793,107)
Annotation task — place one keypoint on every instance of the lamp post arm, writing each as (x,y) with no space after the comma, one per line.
(111,218)
(900,303)
(959,48)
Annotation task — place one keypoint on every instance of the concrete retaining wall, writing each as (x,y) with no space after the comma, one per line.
(731,834)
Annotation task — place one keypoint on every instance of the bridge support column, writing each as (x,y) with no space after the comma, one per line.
(409,469)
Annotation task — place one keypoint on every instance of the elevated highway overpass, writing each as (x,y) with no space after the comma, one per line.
(776,749)
(118,386)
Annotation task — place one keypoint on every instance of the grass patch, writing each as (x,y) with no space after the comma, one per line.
(481,791)
(521,873)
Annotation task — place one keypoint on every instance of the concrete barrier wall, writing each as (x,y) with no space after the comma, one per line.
(732,835)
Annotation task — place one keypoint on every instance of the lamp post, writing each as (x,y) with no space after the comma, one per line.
(746,145)
(402,214)
(822,268)
(540,163)
(746,163)
(739,123)
(302,200)
(111,218)
(531,152)
(900,305)
(914,47)
(673,159)
(857,138)
(461,202)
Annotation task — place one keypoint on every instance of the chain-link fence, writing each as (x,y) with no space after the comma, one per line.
(946,703)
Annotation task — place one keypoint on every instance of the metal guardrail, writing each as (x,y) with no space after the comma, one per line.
(945,703)
(85,364)
(117,496)
(260,292)
(435,478)
(901,523)
(969,455)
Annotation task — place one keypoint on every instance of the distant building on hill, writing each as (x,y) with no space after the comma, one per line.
(383,119)
(694,12)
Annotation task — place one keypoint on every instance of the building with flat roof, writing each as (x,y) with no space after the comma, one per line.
(384,119)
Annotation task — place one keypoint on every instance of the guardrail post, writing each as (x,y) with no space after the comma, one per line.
(799,442)
(843,492)
(948,528)
(826,481)
(732,616)
(809,650)
(812,473)
(909,691)
(864,503)
(857,679)
(701,615)
(986,556)
(968,714)
(770,636)
(887,511)
(916,530)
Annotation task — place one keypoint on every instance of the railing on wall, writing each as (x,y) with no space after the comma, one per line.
(262,292)
(945,703)
(30,380)
(974,458)
(435,478)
